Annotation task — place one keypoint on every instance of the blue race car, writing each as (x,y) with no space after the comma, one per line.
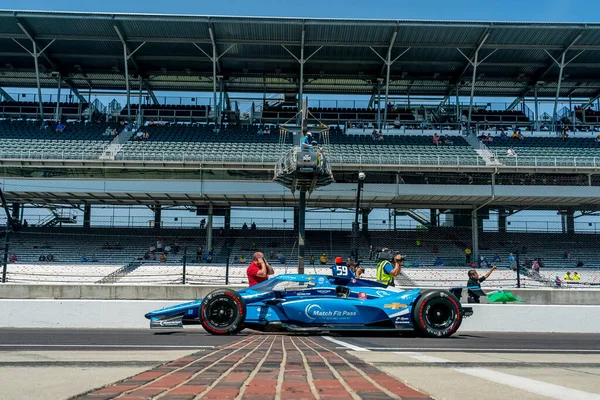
(318,303)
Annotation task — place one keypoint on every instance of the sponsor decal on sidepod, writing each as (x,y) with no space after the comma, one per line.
(314,311)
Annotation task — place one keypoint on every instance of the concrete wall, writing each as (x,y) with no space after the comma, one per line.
(190,292)
(120,314)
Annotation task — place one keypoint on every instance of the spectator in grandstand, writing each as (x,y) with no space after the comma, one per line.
(50,258)
(60,127)
(557,281)
(83,258)
(259,270)
(245,227)
(483,262)
(468,256)
(199,252)
(305,142)
(272,255)
(242,260)
(474,285)
(510,152)
(598,139)
(202,223)
(439,262)
(497,259)
(576,276)
(163,258)
(374,134)
(139,135)
(397,123)
(436,139)
(160,244)
(311,260)
(282,259)
(253,226)
(25,224)
(447,140)
(167,249)
(380,136)
(146,135)
(567,276)
(13,258)
(579,264)
(208,258)
(93,259)
(323,259)
(489,138)
(107,131)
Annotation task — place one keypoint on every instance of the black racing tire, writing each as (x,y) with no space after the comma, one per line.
(222,312)
(437,313)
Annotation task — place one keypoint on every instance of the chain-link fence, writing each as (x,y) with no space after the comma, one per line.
(435,256)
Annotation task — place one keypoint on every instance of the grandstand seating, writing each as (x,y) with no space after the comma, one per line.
(546,151)
(281,114)
(76,141)
(200,142)
(170,112)
(30,109)
(192,142)
(116,248)
(494,116)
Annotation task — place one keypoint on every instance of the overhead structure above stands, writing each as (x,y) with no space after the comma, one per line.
(303,167)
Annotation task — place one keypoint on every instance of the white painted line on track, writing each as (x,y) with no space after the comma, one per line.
(109,346)
(346,345)
(468,349)
(529,385)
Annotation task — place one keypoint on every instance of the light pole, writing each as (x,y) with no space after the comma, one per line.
(355,228)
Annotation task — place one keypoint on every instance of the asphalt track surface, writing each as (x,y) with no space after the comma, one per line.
(196,338)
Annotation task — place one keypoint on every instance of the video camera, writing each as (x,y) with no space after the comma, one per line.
(386,254)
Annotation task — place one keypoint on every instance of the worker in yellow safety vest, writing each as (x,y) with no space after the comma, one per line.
(389,266)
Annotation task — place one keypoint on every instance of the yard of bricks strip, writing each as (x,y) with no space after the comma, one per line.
(262,367)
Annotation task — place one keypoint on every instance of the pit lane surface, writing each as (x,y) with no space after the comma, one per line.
(196,338)
(105,364)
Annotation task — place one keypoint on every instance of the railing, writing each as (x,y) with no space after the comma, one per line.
(380,159)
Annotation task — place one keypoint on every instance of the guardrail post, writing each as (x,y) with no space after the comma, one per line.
(535,160)
(575,161)
(438,159)
(594,162)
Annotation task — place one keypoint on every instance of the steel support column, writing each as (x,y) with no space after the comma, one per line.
(87,215)
(127,84)
(214,61)
(37,79)
(378,104)
(387,85)
(537,108)
(301,81)
(560,75)
(57,112)
(209,229)
(139,113)
(474,236)
(472,90)
(458,116)
(301,233)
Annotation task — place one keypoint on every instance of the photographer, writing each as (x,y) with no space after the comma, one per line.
(389,266)
(259,270)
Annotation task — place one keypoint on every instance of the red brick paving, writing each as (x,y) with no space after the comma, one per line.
(206,373)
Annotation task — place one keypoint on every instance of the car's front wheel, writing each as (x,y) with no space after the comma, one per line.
(437,314)
(222,312)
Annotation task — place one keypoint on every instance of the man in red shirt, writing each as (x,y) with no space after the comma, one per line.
(259,270)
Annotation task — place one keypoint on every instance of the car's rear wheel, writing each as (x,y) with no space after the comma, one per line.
(437,314)
(222,312)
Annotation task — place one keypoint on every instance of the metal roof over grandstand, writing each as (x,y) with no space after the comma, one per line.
(173,52)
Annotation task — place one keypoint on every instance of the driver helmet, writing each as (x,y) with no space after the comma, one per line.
(309,134)
(339,260)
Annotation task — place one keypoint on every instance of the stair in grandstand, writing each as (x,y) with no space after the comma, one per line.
(414,215)
(116,145)
(482,150)
(59,217)
(120,273)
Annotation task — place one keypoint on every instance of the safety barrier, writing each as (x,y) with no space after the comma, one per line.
(123,314)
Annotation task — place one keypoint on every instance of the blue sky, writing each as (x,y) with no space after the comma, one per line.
(505,10)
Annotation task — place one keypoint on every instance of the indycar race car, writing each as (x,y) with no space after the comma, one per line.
(318,303)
